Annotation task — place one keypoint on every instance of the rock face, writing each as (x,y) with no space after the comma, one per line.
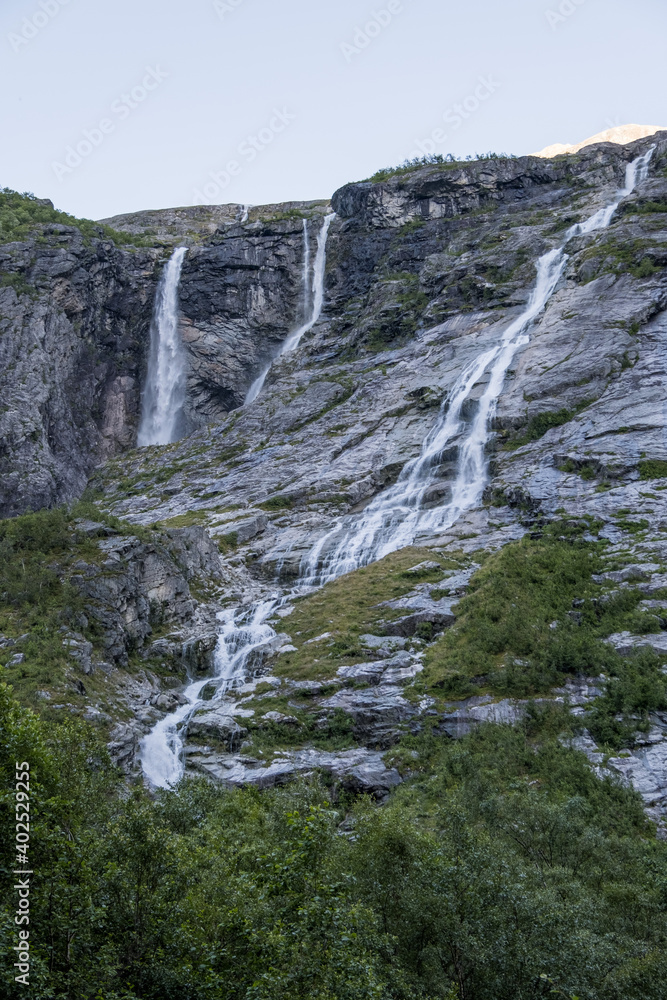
(241,295)
(74,317)
(76,313)
(139,584)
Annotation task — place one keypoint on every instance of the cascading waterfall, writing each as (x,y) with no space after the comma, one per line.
(319,267)
(240,633)
(395,518)
(164,392)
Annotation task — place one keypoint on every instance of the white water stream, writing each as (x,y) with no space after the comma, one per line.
(395,518)
(242,630)
(164,392)
(316,306)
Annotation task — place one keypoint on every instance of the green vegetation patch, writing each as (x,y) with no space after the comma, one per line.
(350,607)
(18,283)
(446,162)
(614,256)
(653,468)
(401,312)
(277,503)
(22,216)
(38,603)
(646,207)
(532,616)
(538,425)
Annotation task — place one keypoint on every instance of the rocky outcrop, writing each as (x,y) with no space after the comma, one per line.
(139,584)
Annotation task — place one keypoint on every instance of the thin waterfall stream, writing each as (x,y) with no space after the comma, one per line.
(164,392)
(397,516)
(317,294)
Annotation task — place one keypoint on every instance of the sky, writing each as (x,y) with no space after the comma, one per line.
(113,106)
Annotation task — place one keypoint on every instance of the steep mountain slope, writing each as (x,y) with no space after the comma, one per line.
(427,267)
(424,271)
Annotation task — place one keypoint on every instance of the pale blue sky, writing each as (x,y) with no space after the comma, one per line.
(285,72)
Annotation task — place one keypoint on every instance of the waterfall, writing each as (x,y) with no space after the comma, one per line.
(241,632)
(306,266)
(319,268)
(395,518)
(164,392)
(316,306)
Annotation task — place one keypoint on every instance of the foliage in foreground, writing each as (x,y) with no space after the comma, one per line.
(504,865)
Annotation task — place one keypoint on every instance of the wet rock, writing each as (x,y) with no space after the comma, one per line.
(423,567)
(312,688)
(375,712)
(472,712)
(281,719)
(143,583)
(263,655)
(195,553)
(362,673)
(382,641)
(359,770)
(644,768)
(438,615)
(94,529)
(199,653)
(248,529)
(218,724)
(123,746)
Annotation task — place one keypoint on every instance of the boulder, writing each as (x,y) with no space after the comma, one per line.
(219,725)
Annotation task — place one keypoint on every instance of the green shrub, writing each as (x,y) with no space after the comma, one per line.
(277,503)
(653,468)
(23,215)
